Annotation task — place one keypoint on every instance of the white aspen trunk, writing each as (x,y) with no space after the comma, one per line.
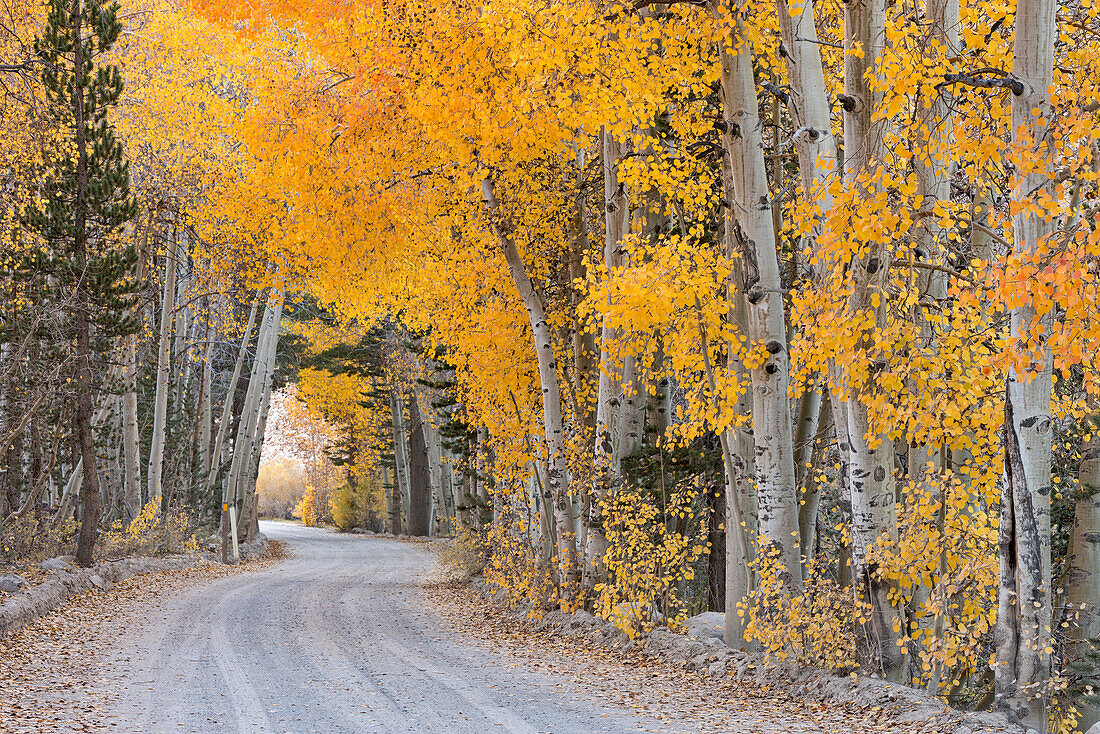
(419,485)
(934,179)
(738,580)
(557,467)
(612,378)
(130,440)
(251,502)
(265,359)
(181,353)
(752,233)
(436,508)
(482,466)
(132,499)
(809,490)
(808,103)
(71,490)
(541,501)
(185,468)
(386,522)
(206,405)
(810,109)
(450,487)
(160,411)
(1023,631)
(872,491)
(114,486)
(870,457)
(805,428)
(246,428)
(217,451)
(401,454)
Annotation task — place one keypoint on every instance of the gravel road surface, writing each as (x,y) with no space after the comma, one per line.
(333,639)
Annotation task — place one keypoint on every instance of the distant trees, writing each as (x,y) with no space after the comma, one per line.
(279,486)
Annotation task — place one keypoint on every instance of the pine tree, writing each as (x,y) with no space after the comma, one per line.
(84,201)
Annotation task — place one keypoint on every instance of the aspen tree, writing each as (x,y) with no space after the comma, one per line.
(130,439)
(217,451)
(205,427)
(258,385)
(557,468)
(420,499)
(401,458)
(808,104)
(871,478)
(612,380)
(1082,575)
(164,352)
(752,238)
(1023,631)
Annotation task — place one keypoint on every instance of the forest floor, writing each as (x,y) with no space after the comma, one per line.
(679,699)
(350,633)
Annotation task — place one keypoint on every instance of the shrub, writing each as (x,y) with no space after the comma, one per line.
(815,627)
(308,509)
(30,540)
(151,533)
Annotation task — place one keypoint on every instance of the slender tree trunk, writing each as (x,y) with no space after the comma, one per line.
(249,436)
(217,451)
(160,410)
(258,384)
(612,380)
(1083,564)
(252,502)
(810,490)
(436,509)
(753,235)
(738,539)
(115,464)
(871,479)
(1023,632)
(206,405)
(401,460)
(558,471)
(484,481)
(131,442)
(584,341)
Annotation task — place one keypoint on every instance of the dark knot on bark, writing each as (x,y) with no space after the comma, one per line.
(849,103)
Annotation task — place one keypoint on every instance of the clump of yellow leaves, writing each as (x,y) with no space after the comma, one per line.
(813,627)
(653,545)
(514,564)
(943,567)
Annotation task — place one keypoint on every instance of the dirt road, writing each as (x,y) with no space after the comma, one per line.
(333,639)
